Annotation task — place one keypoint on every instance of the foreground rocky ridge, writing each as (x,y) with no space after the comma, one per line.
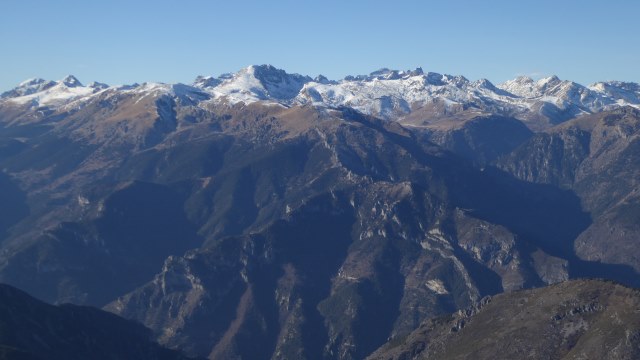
(584,319)
(31,330)
(261,227)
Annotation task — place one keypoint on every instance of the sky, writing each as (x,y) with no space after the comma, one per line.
(128,41)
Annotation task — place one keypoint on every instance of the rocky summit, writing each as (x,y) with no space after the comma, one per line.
(263,214)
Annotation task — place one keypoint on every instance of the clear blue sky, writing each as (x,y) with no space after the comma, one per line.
(126,41)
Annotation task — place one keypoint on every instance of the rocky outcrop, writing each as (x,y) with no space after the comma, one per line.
(586,319)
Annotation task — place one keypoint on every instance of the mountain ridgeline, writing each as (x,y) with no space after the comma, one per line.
(33,330)
(266,215)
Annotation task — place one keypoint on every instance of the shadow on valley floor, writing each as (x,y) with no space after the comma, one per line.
(542,215)
(91,261)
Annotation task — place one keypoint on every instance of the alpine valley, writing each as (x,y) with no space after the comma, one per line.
(267,215)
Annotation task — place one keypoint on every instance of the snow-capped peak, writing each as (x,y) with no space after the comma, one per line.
(526,87)
(28,87)
(548,83)
(386,74)
(277,82)
(204,82)
(321,79)
(623,92)
(484,84)
(522,79)
(31,82)
(71,81)
(97,85)
(257,82)
(37,92)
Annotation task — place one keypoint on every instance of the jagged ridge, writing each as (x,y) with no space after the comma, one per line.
(391,94)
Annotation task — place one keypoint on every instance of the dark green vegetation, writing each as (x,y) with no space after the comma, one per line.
(265,231)
(585,319)
(31,329)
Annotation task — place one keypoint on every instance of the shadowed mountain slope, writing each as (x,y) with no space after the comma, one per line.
(31,329)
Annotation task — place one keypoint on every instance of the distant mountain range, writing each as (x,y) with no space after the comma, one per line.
(405,96)
(271,215)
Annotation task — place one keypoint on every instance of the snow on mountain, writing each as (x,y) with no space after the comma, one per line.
(394,94)
(70,81)
(57,94)
(151,87)
(39,92)
(28,87)
(390,94)
(522,86)
(181,91)
(526,87)
(98,85)
(488,85)
(385,92)
(623,92)
(255,83)
(567,96)
(205,82)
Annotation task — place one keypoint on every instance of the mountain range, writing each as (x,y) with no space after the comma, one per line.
(263,214)
(403,96)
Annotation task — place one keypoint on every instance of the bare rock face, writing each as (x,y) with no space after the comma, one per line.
(585,319)
(501,251)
